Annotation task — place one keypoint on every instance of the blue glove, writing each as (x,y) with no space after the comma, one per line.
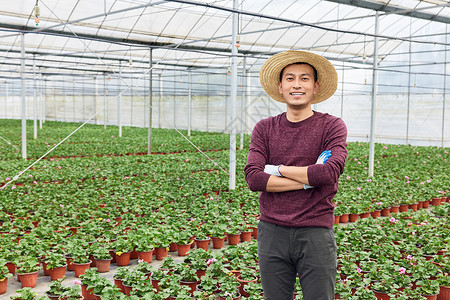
(323,157)
(273,170)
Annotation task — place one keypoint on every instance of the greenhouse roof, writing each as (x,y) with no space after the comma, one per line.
(91,37)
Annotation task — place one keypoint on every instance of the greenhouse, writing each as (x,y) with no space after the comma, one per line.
(126,125)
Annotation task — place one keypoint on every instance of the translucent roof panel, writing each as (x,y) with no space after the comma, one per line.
(82,36)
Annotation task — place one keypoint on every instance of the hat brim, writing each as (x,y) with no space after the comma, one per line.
(269,75)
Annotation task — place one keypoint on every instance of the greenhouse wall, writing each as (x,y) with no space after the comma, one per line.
(424,126)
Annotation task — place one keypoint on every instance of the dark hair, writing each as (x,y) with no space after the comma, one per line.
(300,63)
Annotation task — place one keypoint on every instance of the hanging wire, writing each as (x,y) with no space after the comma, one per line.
(6,141)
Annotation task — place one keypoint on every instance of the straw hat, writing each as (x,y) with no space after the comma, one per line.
(269,75)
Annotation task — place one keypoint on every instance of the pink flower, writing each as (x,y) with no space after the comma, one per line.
(108,220)
(13,187)
(392,220)
(59,167)
(402,270)
(140,260)
(348,177)
(406,177)
(61,205)
(359,270)
(76,281)
(358,188)
(429,180)
(178,178)
(385,147)
(8,179)
(210,261)
(126,177)
(187,159)
(409,257)
(422,183)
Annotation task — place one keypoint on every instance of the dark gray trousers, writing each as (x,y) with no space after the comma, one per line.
(284,252)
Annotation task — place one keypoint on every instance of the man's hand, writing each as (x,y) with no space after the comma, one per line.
(273,170)
(323,158)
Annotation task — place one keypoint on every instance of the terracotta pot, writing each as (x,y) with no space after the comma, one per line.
(103,265)
(28,279)
(403,207)
(183,249)
(146,255)
(87,294)
(127,289)
(386,211)
(69,261)
(160,253)
(218,243)
(113,255)
(191,284)
(425,203)
(200,273)
(430,297)
(381,296)
(246,236)
(11,267)
(413,206)
(133,254)
(45,269)
(353,217)
(123,259)
(376,213)
(203,244)
(173,247)
(57,273)
(233,239)
(336,219)
(52,297)
(436,201)
(395,209)
(155,284)
(242,284)
(255,232)
(364,215)
(444,293)
(343,219)
(81,268)
(119,284)
(236,297)
(3,285)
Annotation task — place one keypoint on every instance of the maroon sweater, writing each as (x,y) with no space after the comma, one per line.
(277,141)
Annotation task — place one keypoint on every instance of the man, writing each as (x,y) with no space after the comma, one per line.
(295,233)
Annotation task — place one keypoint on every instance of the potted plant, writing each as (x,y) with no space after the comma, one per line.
(56,264)
(26,294)
(27,268)
(188,276)
(122,248)
(245,276)
(72,293)
(89,280)
(80,260)
(119,276)
(4,275)
(102,259)
(56,289)
(228,286)
(145,267)
(427,287)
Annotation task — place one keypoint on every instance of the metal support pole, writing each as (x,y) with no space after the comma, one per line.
(444,100)
(342,90)
(374,99)
(43,84)
(409,90)
(150,98)
(119,101)
(189,101)
(160,100)
(207,102)
(22,79)
(243,100)
(232,170)
(105,93)
(35,100)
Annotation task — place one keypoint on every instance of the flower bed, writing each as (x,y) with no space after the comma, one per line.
(100,192)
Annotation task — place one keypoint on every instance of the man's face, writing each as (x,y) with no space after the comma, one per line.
(297,85)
